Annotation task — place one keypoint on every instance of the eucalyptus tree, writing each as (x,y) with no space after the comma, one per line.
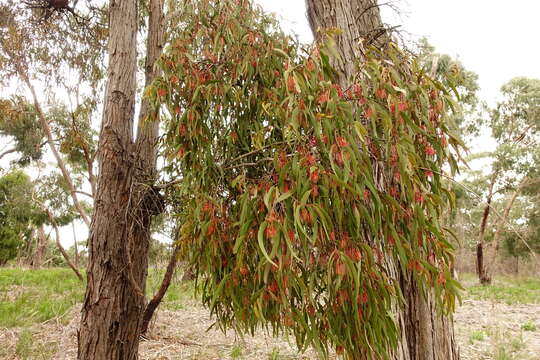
(515,125)
(310,178)
(63,53)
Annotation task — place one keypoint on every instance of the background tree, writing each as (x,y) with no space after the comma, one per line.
(515,127)
(19,215)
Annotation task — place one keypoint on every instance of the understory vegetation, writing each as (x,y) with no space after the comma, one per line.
(31,299)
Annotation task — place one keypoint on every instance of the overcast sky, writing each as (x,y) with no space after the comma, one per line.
(497,39)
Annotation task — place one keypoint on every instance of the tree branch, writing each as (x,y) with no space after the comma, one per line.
(7,152)
(61,248)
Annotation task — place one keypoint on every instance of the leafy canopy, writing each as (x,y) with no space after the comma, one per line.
(18,213)
(297,196)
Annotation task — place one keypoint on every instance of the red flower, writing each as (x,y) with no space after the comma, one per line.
(341,268)
(429,150)
(271,231)
(418,197)
(291,85)
(339,90)
(324,97)
(341,141)
(368,113)
(244,271)
(314,176)
(402,106)
(291,235)
(339,158)
(367,195)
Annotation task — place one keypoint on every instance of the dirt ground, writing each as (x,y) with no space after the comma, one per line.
(485,330)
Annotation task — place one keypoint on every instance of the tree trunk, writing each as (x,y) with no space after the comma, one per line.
(114,303)
(61,248)
(41,247)
(425,334)
(75,248)
(480,265)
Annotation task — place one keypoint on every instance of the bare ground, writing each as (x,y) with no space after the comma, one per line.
(485,330)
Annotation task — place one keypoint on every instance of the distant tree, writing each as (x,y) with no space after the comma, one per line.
(19,214)
(19,124)
(464,115)
(515,125)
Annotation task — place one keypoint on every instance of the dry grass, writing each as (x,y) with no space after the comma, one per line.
(488,326)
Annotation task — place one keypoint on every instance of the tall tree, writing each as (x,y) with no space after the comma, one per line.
(125,201)
(425,334)
(515,126)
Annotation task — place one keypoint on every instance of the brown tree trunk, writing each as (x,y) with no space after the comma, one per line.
(125,202)
(156,300)
(425,334)
(480,265)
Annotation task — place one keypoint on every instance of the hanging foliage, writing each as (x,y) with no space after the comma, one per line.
(298,194)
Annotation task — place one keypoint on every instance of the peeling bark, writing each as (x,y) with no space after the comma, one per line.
(125,200)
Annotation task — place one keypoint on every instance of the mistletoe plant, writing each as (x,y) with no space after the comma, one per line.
(298,194)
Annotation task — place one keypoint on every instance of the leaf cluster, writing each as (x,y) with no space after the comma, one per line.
(299,196)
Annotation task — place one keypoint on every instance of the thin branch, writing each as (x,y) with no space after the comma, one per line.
(61,248)
(478,197)
(84,193)
(7,152)
(48,132)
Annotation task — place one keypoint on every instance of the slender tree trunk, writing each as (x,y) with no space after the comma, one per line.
(75,245)
(425,334)
(480,265)
(156,300)
(41,248)
(61,248)
(125,202)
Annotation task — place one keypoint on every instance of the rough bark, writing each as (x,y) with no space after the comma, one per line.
(359,19)
(125,198)
(113,304)
(425,334)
